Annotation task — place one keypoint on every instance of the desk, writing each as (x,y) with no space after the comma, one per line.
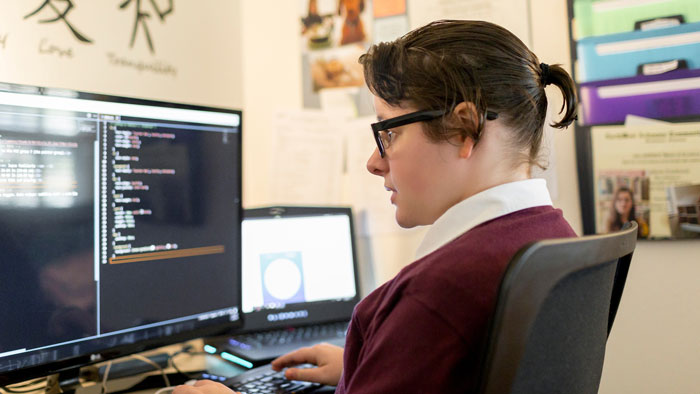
(184,361)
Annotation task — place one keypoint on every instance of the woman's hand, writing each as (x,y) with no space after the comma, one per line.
(203,387)
(327,358)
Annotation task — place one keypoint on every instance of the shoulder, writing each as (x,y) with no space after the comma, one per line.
(468,270)
(485,246)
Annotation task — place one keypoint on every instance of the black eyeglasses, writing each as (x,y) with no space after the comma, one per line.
(383,136)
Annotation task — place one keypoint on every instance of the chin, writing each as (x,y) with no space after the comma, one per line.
(405,222)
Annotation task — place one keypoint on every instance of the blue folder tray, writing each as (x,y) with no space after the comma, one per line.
(619,55)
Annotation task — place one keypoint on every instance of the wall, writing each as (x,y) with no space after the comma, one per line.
(654,346)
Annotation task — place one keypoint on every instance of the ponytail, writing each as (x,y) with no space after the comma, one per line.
(556,75)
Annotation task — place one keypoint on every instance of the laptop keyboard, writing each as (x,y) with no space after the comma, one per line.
(265,380)
(298,335)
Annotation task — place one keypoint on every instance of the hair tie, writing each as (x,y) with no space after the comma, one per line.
(545,74)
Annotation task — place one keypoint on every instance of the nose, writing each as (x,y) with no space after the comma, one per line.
(376,165)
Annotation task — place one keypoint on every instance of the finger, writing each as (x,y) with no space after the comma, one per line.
(203,382)
(301,356)
(317,375)
(185,389)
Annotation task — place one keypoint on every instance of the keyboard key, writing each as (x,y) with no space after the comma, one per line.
(265,380)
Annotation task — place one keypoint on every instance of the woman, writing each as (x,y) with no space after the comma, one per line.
(461,108)
(623,210)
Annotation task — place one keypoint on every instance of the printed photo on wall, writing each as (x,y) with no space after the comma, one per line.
(333,23)
(334,33)
(647,158)
(337,68)
(684,211)
(623,196)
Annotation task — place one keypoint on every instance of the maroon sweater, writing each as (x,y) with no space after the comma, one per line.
(423,330)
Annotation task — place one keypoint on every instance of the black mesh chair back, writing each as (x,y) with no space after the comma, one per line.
(554,312)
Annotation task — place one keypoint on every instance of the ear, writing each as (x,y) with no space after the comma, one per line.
(465,115)
(466,148)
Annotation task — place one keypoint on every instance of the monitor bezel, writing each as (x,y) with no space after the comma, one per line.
(329,310)
(110,353)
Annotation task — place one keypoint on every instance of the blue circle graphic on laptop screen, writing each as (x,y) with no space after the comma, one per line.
(282,278)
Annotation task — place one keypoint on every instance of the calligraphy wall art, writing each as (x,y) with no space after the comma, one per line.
(171,50)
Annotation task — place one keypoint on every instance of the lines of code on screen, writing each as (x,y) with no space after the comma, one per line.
(162,193)
(48,292)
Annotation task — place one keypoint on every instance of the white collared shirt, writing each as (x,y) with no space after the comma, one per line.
(489,204)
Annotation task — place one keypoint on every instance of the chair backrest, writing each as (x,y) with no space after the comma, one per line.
(554,312)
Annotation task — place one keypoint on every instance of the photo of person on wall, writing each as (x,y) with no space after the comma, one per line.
(623,210)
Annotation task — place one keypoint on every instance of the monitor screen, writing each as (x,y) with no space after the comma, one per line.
(298,266)
(119,226)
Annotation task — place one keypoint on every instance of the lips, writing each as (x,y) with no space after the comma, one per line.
(393,194)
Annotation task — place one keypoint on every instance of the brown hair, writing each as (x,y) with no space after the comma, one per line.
(448,62)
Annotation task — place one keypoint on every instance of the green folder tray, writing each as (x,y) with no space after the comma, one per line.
(601,17)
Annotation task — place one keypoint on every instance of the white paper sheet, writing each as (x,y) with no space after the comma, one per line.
(634,120)
(511,14)
(308,158)
(390,28)
(339,102)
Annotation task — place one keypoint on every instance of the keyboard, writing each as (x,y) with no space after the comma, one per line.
(259,348)
(264,379)
(300,336)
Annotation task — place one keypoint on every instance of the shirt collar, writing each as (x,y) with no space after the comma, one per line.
(489,204)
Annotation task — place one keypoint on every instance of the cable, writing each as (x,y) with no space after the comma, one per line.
(187,350)
(104,377)
(28,383)
(9,390)
(153,363)
(165,389)
(14,388)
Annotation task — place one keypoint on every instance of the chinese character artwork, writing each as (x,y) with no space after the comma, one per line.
(60,15)
(142,16)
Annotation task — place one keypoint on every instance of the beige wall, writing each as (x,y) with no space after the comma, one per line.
(655,344)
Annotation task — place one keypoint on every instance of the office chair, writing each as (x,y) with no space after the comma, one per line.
(554,312)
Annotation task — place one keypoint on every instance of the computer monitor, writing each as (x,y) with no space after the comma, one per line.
(298,266)
(119,227)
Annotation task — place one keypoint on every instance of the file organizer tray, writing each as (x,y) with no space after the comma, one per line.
(619,55)
(597,18)
(672,95)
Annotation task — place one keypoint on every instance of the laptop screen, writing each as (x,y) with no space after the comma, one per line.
(298,266)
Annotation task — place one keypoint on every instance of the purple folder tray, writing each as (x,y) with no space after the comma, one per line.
(664,96)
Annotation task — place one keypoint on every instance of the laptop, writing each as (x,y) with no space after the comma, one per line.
(299,282)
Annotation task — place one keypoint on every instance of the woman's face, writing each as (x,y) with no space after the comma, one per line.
(623,203)
(417,171)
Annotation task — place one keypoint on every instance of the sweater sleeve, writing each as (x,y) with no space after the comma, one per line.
(414,349)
